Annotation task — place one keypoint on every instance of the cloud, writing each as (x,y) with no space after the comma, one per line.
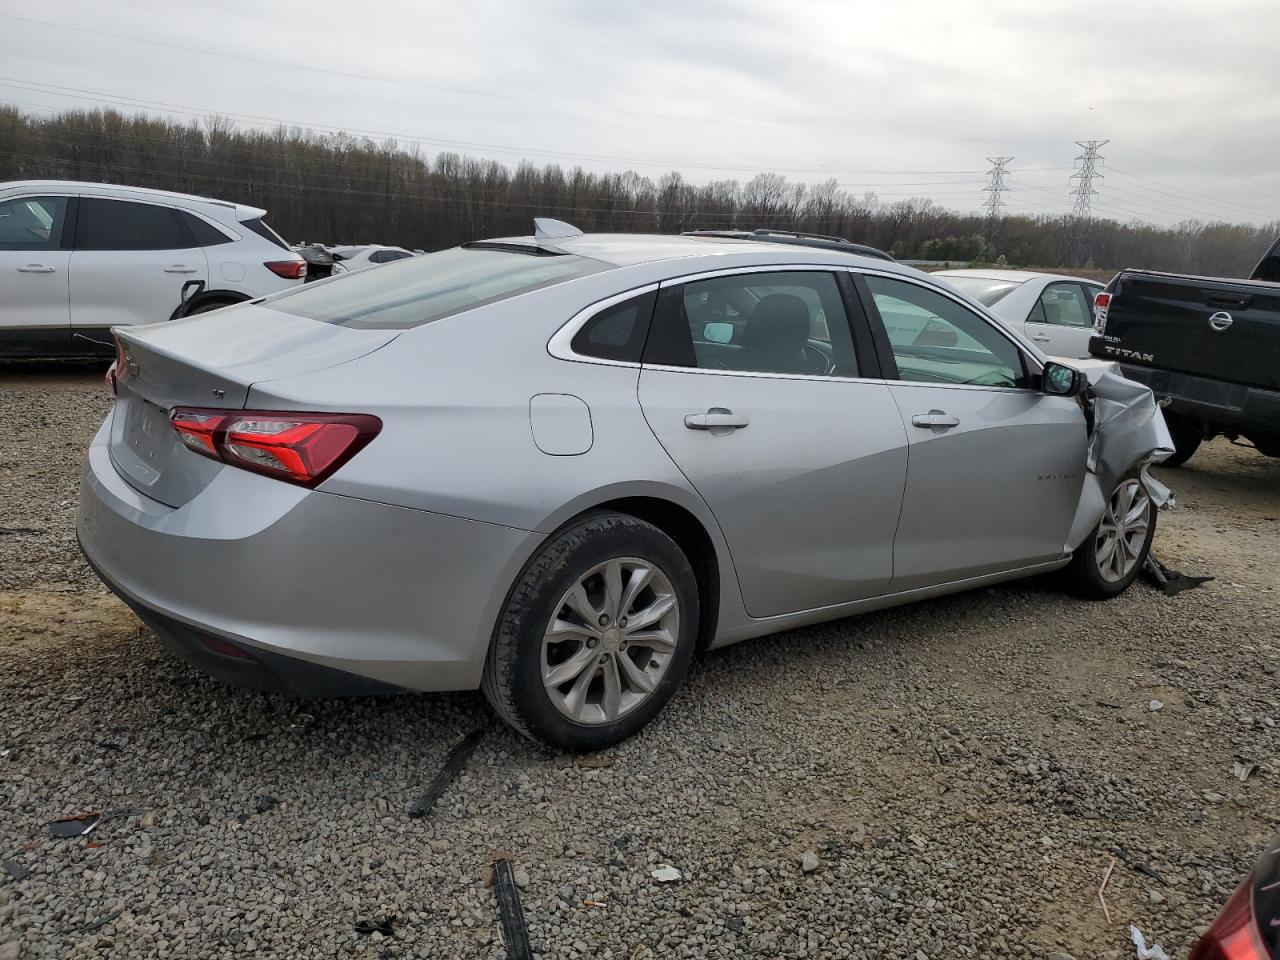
(723,88)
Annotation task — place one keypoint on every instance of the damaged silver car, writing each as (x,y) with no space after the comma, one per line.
(557,466)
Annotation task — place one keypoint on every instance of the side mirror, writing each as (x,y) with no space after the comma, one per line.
(717,331)
(1059,380)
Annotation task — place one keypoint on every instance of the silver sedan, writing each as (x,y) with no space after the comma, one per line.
(1054,311)
(556,467)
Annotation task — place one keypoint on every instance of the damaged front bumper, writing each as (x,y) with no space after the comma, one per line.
(1127,434)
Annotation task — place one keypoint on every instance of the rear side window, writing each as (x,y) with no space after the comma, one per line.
(1063,305)
(388,256)
(617,332)
(791,322)
(32,223)
(125,225)
(431,287)
(1268,268)
(202,234)
(259,226)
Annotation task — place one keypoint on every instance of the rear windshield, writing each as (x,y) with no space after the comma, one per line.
(983,289)
(419,290)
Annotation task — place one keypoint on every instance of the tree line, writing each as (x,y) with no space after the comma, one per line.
(336,188)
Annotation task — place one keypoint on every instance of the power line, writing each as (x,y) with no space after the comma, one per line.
(496,95)
(124,100)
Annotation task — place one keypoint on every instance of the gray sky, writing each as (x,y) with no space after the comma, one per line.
(900,97)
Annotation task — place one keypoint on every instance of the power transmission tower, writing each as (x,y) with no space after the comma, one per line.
(996,189)
(1078,233)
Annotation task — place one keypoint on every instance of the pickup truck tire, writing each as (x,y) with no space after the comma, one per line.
(1090,574)
(1187,437)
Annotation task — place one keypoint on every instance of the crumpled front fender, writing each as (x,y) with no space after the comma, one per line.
(1127,434)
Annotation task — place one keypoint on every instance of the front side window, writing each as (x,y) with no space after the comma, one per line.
(32,223)
(431,287)
(785,322)
(935,339)
(126,225)
(1063,305)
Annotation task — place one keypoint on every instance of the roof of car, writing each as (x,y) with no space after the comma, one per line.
(629,249)
(1010,276)
(56,187)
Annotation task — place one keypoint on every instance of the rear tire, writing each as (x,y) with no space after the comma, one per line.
(1187,437)
(596,635)
(1115,551)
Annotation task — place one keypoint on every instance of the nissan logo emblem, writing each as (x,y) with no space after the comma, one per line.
(1220,320)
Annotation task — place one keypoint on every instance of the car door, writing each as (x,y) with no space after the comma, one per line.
(33,273)
(995,467)
(130,263)
(752,383)
(1061,322)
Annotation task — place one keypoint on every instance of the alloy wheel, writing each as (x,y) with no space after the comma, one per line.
(1122,531)
(610,640)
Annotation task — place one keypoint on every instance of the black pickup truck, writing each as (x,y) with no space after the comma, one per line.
(1208,348)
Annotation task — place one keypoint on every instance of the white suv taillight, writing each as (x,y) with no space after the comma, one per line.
(301,448)
(1100,304)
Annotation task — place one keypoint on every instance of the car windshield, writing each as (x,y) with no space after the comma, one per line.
(983,289)
(419,290)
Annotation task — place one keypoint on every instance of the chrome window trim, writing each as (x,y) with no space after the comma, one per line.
(560,345)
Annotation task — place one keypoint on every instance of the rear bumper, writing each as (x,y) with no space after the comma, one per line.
(243,666)
(326,594)
(1221,404)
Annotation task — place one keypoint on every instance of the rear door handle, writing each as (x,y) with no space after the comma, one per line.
(716,419)
(179,268)
(935,418)
(1040,338)
(35,268)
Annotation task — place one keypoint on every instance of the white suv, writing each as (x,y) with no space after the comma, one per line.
(79,258)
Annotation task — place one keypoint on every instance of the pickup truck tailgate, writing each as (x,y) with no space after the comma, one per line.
(1218,329)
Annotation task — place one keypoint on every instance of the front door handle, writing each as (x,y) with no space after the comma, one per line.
(717,420)
(35,268)
(1040,338)
(935,418)
(179,268)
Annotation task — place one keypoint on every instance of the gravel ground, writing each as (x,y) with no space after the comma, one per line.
(958,773)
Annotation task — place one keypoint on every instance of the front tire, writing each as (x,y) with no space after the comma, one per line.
(1112,556)
(596,635)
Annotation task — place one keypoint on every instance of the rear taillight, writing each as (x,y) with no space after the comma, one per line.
(1100,304)
(1234,935)
(117,368)
(301,448)
(289,269)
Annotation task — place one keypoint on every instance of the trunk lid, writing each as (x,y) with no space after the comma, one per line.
(1225,330)
(210,360)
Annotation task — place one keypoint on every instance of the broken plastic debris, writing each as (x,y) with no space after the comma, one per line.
(1242,770)
(453,764)
(1170,581)
(514,931)
(382,926)
(1153,952)
(666,874)
(82,823)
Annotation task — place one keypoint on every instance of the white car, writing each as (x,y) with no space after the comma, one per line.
(1054,311)
(79,258)
(351,259)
